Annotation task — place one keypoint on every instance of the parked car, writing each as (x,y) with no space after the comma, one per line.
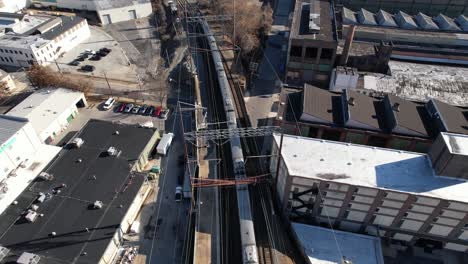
(74,63)
(88,68)
(84,55)
(80,58)
(128,108)
(136,109)
(157,112)
(143,109)
(108,103)
(101,53)
(95,58)
(164,114)
(89,51)
(150,111)
(121,107)
(105,50)
(178,194)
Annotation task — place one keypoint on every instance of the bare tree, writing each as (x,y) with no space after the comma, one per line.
(43,77)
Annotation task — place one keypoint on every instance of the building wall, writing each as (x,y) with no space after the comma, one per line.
(17,149)
(125,13)
(112,249)
(46,53)
(69,4)
(310,60)
(401,216)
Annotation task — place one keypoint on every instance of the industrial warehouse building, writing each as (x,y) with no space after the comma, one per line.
(38,39)
(394,194)
(50,111)
(94,194)
(384,120)
(108,11)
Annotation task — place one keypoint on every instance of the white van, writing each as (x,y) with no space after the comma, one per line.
(165,143)
(108,103)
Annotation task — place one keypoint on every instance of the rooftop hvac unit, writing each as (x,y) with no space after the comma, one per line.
(113,152)
(31,216)
(3,252)
(314,17)
(77,142)
(97,205)
(41,198)
(28,258)
(45,176)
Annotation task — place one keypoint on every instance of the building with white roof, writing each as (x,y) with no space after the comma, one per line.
(38,39)
(108,11)
(50,111)
(367,189)
(22,157)
(320,246)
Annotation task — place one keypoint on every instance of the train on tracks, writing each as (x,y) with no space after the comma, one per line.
(249,246)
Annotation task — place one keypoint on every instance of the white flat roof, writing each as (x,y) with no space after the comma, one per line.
(44,106)
(456,143)
(24,176)
(320,246)
(368,166)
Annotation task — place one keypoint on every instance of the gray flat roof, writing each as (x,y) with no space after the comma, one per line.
(300,24)
(9,126)
(68,213)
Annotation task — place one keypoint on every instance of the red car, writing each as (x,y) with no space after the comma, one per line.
(122,107)
(157,112)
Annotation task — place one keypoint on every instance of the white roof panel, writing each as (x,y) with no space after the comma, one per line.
(366,17)
(385,19)
(425,21)
(320,245)
(368,166)
(43,107)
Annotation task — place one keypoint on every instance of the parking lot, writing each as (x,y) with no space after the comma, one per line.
(115,65)
(95,111)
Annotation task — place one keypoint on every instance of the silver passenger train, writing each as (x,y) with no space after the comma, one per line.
(249,247)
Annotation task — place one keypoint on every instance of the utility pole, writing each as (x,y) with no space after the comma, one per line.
(108,84)
(58,67)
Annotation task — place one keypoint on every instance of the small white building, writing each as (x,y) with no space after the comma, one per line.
(320,246)
(7,84)
(22,157)
(50,111)
(29,39)
(108,11)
